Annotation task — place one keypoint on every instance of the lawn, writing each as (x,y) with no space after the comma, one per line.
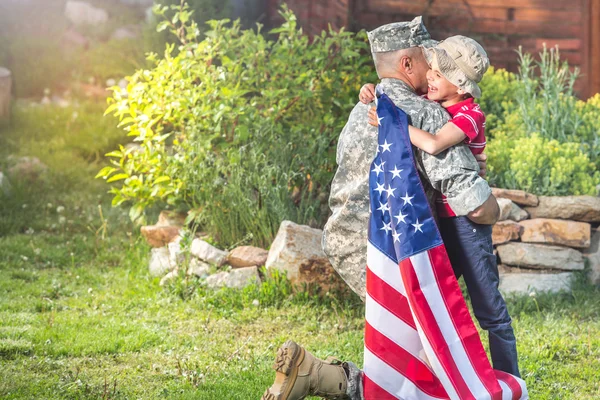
(81,318)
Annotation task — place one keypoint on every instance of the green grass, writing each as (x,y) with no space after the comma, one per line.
(81,318)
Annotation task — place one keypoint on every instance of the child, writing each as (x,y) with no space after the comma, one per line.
(457,66)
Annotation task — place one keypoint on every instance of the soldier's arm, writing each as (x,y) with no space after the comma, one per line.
(454,172)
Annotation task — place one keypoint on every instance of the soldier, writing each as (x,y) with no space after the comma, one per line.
(402,69)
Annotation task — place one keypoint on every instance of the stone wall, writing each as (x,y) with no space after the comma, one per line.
(541,241)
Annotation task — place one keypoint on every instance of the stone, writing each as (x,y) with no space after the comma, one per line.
(516,196)
(159,236)
(578,208)
(207,252)
(171,218)
(160,262)
(505,208)
(593,258)
(26,168)
(247,256)
(297,251)
(509,210)
(556,231)
(72,37)
(236,278)
(82,13)
(540,256)
(517,213)
(170,276)
(124,33)
(198,268)
(5,186)
(505,231)
(522,281)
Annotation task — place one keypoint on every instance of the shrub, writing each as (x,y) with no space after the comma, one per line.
(543,166)
(498,93)
(239,127)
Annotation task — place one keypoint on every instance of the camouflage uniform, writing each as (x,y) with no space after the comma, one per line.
(453,172)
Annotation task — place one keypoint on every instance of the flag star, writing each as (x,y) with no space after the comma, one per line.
(417,226)
(385,146)
(380,188)
(378,168)
(386,227)
(379,120)
(407,199)
(401,217)
(390,191)
(396,172)
(383,207)
(396,236)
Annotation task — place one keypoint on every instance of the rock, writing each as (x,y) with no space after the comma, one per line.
(82,13)
(26,168)
(540,256)
(207,252)
(517,213)
(516,280)
(578,208)
(505,208)
(160,262)
(93,91)
(139,3)
(198,268)
(237,278)
(505,231)
(593,256)
(247,256)
(516,196)
(509,210)
(556,231)
(171,218)
(170,276)
(5,186)
(72,37)
(598,190)
(297,251)
(124,33)
(158,236)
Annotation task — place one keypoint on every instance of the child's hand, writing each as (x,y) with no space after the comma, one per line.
(373,120)
(367,93)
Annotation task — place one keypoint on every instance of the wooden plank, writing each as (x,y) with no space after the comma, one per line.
(544,15)
(517,28)
(594,47)
(563,44)
(409,6)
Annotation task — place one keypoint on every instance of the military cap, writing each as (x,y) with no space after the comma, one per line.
(399,36)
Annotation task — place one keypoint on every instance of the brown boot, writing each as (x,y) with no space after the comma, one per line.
(300,374)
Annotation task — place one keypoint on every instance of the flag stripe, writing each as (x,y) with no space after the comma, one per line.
(431,328)
(512,382)
(375,392)
(402,361)
(394,328)
(386,269)
(390,380)
(389,298)
(464,328)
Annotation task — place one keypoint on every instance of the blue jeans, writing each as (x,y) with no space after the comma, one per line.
(469,247)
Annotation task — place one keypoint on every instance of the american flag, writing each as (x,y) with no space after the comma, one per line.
(420,340)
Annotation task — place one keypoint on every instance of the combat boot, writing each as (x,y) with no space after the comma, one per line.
(299,374)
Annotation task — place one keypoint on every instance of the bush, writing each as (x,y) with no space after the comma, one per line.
(543,166)
(240,127)
(537,111)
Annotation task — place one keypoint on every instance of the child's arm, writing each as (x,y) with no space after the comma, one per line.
(367,93)
(446,137)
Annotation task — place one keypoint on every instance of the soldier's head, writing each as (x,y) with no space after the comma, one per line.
(396,52)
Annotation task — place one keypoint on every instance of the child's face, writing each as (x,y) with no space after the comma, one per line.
(439,88)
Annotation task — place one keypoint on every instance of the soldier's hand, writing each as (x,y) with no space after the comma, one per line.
(367,93)
(482,161)
(373,120)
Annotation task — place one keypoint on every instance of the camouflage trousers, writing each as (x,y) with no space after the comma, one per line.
(354,390)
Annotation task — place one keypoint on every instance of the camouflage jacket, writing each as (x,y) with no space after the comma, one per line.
(453,172)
